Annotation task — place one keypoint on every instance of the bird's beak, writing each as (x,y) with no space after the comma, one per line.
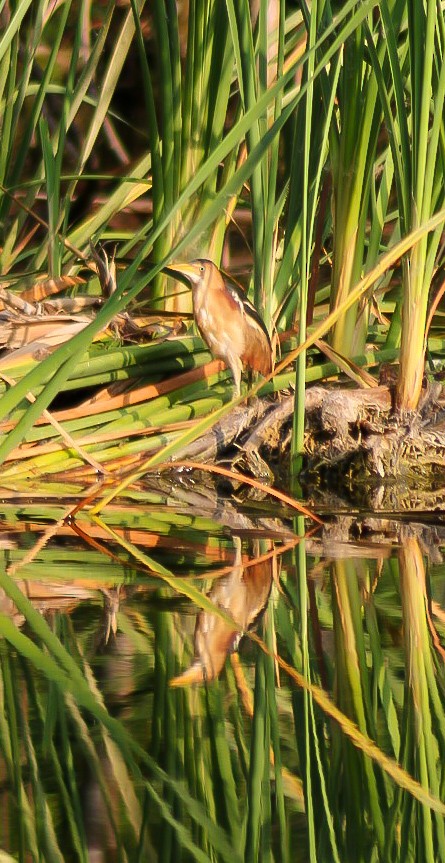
(183,271)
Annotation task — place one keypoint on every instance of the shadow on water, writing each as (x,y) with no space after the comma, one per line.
(204,681)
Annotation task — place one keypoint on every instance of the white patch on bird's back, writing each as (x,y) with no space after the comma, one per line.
(251,306)
(235,296)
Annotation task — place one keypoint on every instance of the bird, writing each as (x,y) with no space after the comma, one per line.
(228,322)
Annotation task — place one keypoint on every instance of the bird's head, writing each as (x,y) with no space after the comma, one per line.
(198,273)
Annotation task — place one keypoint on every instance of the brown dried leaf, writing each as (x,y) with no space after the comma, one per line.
(48,287)
(35,338)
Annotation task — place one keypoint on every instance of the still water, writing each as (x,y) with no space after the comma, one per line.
(219,681)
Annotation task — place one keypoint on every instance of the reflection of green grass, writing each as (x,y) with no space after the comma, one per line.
(180,539)
(190,769)
(117,760)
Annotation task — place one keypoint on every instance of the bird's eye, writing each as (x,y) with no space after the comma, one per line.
(201,269)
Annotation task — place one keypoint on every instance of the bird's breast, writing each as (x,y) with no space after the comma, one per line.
(219,319)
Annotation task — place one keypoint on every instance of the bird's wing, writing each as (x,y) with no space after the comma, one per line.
(257,349)
(247,307)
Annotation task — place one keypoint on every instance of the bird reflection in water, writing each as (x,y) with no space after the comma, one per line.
(242,594)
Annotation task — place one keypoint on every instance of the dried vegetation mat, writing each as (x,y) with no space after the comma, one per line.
(356,437)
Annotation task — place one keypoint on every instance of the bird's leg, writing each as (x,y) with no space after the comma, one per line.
(236,367)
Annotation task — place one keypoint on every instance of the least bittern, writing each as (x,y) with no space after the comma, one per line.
(228,322)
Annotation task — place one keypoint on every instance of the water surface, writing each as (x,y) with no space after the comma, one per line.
(210,681)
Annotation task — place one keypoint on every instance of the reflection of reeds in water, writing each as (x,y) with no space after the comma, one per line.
(368,810)
(423,721)
(355,779)
(218,769)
